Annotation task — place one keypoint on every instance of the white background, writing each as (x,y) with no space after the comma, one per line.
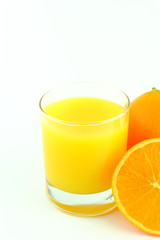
(47,42)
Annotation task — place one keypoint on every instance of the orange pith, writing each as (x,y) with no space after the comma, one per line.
(136,185)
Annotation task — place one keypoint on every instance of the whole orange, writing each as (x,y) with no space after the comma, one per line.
(144,120)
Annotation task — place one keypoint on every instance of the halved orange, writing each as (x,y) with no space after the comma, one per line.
(136,185)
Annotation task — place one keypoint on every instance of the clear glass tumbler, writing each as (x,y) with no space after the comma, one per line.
(84,133)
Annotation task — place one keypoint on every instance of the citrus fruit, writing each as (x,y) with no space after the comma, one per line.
(136,185)
(144,120)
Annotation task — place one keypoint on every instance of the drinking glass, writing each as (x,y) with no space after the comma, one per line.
(80,156)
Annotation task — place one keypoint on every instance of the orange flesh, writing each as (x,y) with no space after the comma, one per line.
(136,185)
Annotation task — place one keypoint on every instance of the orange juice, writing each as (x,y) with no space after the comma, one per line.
(83,141)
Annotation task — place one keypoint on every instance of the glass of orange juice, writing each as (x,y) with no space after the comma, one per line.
(84,132)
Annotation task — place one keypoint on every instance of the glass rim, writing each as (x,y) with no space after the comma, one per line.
(84,123)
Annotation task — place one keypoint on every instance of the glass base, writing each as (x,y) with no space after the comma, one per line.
(82,204)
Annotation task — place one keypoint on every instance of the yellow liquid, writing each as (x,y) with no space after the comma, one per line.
(80,158)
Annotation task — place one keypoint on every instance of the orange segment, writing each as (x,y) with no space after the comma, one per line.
(136,185)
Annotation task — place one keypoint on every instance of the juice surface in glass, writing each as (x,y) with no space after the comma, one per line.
(81,150)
